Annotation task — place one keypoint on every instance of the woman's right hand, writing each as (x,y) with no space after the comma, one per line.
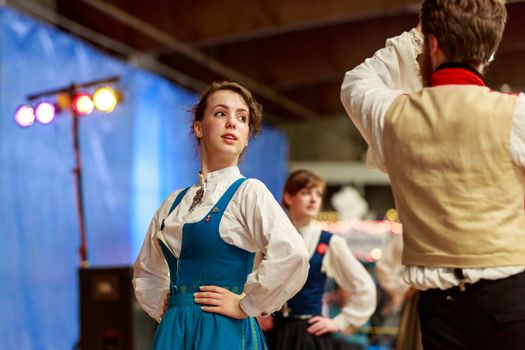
(265,322)
(166,302)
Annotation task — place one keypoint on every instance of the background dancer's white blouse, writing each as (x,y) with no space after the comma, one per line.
(253,221)
(340,264)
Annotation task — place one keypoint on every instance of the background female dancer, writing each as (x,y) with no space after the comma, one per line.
(194,271)
(300,325)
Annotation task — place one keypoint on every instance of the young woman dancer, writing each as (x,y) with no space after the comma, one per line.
(195,272)
(300,324)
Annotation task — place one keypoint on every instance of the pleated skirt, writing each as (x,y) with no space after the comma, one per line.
(185,326)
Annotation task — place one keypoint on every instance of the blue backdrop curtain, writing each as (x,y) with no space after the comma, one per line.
(132,159)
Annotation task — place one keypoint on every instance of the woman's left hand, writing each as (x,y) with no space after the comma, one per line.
(220,301)
(320,325)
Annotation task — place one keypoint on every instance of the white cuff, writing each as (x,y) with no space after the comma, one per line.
(249,309)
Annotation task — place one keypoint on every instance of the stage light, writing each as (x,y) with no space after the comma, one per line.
(25,116)
(45,112)
(82,104)
(63,101)
(105,99)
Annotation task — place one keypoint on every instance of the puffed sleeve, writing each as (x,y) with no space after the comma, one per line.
(390,269)
(150,271)
(341,265)
(517,133)
(369,89)
(284,268)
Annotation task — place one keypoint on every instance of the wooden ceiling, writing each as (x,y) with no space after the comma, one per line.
(292,53)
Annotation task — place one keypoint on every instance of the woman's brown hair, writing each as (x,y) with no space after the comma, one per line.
(300,179)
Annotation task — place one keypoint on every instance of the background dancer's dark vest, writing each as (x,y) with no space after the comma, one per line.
(309,300)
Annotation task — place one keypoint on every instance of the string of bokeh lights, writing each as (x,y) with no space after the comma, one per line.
(44,107)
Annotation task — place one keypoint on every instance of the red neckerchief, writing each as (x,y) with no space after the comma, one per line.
(456,74)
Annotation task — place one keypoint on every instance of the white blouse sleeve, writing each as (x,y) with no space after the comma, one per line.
(517,135)
(341,265)
(390,269)
(150,272)
(369,89)
(284,268)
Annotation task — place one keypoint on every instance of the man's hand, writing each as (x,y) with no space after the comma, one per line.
(220,301)
(265,322)
(320,325)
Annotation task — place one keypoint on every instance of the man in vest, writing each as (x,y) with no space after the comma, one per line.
(455,154)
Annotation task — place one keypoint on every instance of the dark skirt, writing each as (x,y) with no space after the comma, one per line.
(291,334)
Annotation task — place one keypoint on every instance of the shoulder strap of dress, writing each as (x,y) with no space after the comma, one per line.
(176,202)
(178,199)
(322,246)
(325,237)
(227,196)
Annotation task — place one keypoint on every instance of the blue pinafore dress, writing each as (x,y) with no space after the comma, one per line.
(205,259)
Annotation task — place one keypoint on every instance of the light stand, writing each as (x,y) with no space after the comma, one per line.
(77,172)
(71,91)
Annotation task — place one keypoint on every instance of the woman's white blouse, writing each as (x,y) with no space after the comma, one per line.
(253,220)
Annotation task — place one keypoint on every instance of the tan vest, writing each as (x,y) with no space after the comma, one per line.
(458,193)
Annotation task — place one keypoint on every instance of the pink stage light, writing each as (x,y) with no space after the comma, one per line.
(25,116)
(45,112)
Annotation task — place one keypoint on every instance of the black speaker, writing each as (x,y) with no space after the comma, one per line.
(110,317)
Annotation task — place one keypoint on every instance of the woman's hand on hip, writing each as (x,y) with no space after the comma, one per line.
(320,325)
(220,301)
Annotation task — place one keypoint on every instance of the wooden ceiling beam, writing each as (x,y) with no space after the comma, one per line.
(151,30)
(322,14)
(298,51)
(310,56)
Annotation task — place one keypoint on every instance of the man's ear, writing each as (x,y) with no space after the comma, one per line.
(197,129)
(435,53)
(433,45)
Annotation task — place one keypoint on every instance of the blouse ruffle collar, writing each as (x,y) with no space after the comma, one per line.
(214,177)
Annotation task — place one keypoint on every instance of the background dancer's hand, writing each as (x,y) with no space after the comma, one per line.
(265,322)
(320,325)
(220,301)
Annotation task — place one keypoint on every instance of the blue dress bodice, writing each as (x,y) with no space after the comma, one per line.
(205,259)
